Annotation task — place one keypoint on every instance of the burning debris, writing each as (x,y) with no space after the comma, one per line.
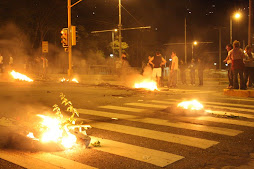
(19,76)
(74,80)
(147,84)
(64,132)
(191,105)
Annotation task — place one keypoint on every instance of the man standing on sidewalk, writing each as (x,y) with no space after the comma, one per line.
(157,61)
(229,63)
(237,56)
(249,66)
(173,71)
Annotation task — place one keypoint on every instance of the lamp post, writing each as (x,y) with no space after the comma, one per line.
(192,47)
(236,16)
(120,29)
(113,41)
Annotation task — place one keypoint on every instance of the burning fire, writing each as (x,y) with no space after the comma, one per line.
(146,84)
(192,105)
(67,80)
(53,131)
(20,76)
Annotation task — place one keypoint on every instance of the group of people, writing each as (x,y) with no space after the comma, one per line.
(157,62)
(240,63)
(10,63)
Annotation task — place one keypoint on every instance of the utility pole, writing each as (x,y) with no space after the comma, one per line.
(185,41)
(250,24)
(69,6)
(120,29)
(220,48)
(69,39)
(220,29)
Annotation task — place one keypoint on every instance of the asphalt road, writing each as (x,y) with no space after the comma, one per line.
(136,128)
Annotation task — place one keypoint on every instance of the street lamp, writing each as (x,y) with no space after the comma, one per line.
(192,46)
(113,40)
(237,16)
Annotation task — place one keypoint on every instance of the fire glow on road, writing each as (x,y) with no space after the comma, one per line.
(191,105)
(72,80)
(19,76)
(53,131)
(147,84)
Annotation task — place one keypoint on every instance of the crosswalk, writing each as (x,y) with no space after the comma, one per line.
(132,120)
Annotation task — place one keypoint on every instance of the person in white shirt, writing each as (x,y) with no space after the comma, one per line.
(11,62)
(173,72)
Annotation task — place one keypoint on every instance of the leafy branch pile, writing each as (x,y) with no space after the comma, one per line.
(70,108)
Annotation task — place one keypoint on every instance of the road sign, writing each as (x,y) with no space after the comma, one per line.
(45,46)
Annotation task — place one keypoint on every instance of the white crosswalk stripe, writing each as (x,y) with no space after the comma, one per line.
(40,160)
(143,154)
(157,135)
(188,126)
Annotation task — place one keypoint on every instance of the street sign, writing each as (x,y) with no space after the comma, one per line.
(45,46)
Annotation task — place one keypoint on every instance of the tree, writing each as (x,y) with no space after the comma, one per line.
(116,46)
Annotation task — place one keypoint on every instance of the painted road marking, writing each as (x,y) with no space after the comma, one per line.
(122,108)
(223,104)
(216,130)
(226,121)
(155,157)
(157,135)
(147,105)
(40,160)
(167,103)
(210,111)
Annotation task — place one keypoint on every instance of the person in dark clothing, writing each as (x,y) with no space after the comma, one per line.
(157,61)
(249,66)
(192,71)
(182,67)
(237,56)
(229,63)
(201,68)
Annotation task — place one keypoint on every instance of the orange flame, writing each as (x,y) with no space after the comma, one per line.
(147,84)
(192,105)
(67,80)
(53,131)
(19,76)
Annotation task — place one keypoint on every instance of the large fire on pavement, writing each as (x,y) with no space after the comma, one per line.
(147,84)
(19,76)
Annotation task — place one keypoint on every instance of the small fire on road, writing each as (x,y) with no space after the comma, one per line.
(191,105)
(147,84)
(19,76)
(72,80)
(53,129)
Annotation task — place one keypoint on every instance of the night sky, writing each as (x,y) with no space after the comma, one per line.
(166,17)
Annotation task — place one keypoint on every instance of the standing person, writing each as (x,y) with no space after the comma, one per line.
(249,66)
(173,71)
(11,62)
(182,67)
(237,56)
(157,61)
(192,71)
(124,60)
(1,63)
(201,68)
(229,63)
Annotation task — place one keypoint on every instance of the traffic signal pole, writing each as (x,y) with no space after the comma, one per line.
(120,29)
(69,39)
(69,6)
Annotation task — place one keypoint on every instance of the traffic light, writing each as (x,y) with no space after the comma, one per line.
(64,37)
(73,35)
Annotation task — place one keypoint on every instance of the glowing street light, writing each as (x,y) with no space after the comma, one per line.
(192,46)
(237,16)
